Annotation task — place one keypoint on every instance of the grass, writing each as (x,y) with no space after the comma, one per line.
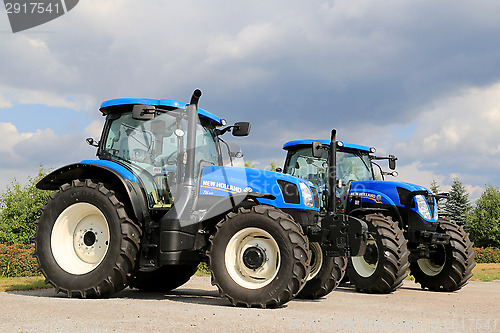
(482,272)
(486,272)
(23,283)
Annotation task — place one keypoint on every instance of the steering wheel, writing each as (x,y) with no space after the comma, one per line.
(171,161)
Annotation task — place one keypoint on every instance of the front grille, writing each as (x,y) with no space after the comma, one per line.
(290,192)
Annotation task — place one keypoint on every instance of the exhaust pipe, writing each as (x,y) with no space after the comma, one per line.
(332,171)
(192,111)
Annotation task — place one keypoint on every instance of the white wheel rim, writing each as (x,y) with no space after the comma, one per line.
(80,238)
(316,260)
(241,274)
(428,266)
(362,267)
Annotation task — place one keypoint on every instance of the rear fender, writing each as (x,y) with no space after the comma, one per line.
(106,172)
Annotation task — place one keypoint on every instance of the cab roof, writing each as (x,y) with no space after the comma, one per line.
(107,106)
(294,144)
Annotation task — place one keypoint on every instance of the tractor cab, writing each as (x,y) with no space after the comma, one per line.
(148,136)
(353,163)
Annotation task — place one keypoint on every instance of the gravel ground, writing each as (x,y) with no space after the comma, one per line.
(196,307)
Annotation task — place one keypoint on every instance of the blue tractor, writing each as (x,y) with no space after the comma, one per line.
(405,230)
(158,201)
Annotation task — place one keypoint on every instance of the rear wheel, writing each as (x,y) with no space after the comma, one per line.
(325,273)
(163,279)
(382,268)
(86,245)
(258,257)
(449,266)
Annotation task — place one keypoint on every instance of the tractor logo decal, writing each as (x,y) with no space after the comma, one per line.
(369,196)
(209,184)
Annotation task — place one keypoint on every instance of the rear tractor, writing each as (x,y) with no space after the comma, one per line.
(402,218)
(158,201)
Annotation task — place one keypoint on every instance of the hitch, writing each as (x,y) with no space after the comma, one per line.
(344,235)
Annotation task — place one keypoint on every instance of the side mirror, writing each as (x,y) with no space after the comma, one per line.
(237,154)
(143,112)
(392,162)
(91,142)
(317,149)
(241,129)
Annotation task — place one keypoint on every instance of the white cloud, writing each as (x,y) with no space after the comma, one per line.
(22,153)
(466,122)
(94,129)
(10,137)
(4,102)
(45,97)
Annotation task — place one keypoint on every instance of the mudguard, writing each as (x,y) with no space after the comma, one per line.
(103,171)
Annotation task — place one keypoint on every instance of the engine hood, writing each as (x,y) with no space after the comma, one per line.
(384,192)
(224,181)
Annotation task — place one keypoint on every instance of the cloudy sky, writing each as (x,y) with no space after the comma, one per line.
(417,79)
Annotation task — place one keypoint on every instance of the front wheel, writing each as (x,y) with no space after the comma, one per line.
(325,273)
(86,245)
(258,257)
(382,268)
(449,266)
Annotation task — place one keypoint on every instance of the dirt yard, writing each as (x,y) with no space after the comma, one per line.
(196,307)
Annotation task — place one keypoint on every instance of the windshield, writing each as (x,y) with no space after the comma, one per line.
(155,150)
(352,165)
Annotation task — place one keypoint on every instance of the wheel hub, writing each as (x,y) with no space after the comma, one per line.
(80,238)
(89,238)
(254,257)
(371,254)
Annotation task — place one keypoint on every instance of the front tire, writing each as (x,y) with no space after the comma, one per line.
(450,266)
(258,257)
(382,268)
(325,274)
(86,245)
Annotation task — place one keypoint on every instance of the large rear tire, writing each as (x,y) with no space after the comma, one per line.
(450,266)
(325,273)
(163,279)
(383,267)
(258,257)
(86,244)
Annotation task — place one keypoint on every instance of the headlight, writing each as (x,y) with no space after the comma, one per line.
(306,195)
(422,206)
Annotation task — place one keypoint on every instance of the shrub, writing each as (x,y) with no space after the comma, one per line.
(484,221)
(17,260)
(487,255)
(19,209)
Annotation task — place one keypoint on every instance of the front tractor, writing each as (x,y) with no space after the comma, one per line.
(405,230)
(158,201)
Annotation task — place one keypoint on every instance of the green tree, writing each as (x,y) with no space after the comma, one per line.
(458,205)
(434,187)
(273,166)
(442,202)
(484,220)
(20,208)
(249,164)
